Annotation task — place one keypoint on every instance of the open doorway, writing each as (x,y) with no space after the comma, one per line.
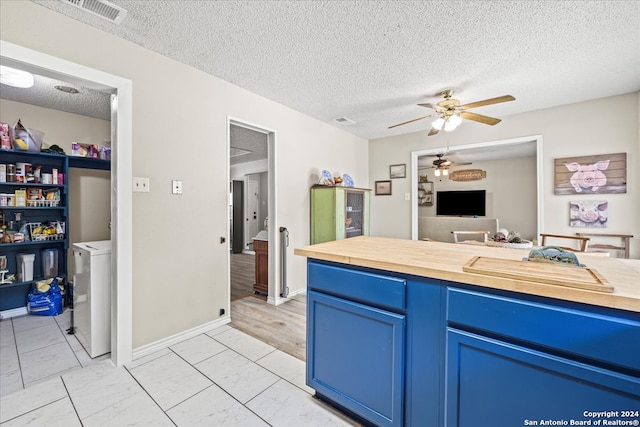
(120,195)
(249,179)
(496,151)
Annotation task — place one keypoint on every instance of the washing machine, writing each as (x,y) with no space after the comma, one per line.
(92,296)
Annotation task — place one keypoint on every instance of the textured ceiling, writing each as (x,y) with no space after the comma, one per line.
(373,61)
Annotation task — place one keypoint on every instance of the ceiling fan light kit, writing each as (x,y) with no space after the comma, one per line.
(450,113)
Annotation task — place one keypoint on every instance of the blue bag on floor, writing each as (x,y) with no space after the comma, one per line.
(47,303)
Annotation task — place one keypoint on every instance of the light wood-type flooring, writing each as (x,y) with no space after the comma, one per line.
(282,326)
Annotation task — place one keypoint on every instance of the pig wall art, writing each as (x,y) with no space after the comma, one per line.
(591,174)
(591,213)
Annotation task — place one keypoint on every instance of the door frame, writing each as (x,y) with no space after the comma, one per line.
(273,296)
(121,179)
(537,139)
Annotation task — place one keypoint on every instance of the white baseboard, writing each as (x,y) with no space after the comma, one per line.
(14,312)
(174,339)
(274,301)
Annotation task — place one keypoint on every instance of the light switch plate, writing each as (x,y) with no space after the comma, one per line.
(407,196)
(141,185)
(176,187)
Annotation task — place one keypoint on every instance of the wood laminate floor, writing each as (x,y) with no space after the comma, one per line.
(243,275)
(281,326)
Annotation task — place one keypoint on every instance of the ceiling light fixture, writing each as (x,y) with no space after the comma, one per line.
(449,123)
(67,89)
(16,78)
(436,172)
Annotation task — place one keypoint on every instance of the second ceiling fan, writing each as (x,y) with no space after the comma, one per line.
(450,113)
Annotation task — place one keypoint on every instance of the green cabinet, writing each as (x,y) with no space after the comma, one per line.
(339,213)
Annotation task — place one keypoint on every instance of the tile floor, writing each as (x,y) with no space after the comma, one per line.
(222,377)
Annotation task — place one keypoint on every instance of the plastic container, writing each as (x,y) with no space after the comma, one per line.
(25,266)
(49,262)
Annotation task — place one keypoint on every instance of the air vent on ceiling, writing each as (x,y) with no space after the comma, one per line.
(344,121)
(101,8)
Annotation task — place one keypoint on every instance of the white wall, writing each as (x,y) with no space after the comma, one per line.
(511,201)
(179,269)
(603,126)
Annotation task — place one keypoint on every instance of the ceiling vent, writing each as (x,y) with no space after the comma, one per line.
(101,8)
(344,121)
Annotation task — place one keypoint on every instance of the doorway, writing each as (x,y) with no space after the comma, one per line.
(121,205)
(498,146)
(251,178)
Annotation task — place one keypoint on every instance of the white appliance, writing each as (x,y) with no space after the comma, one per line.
(92,296)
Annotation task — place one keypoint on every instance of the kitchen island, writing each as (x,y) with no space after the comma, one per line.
(398,333)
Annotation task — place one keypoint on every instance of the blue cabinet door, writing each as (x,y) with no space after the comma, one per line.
(355,357)
(490,382)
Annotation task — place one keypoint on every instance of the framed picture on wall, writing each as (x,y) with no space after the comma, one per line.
(398,171)
(383,188)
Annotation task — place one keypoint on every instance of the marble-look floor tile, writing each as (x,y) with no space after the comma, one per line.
(198,348)
(246,345)
(8,359)
(59,413)
(213,407)
(99,386)
(40,337)
(237,375)
(7,336)
(45,362)
(285,405)
(218,330)
(26,322)
(32,398)
(169,380)
(10,382)
(136,410)
(64,320)
(288,367)
(85,360)
(148,358)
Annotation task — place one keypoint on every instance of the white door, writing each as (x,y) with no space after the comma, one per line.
(251,211)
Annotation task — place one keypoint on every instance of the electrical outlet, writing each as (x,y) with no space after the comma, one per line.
(176,187)
(141,185)
(407,196)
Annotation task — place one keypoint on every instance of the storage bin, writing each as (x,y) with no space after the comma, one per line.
(49,262)
(25,266)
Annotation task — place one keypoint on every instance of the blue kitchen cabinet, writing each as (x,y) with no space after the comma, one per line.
(355,349)
(495,383)
(398,349)
(517,360)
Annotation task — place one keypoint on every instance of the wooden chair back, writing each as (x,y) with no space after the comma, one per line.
(582,241)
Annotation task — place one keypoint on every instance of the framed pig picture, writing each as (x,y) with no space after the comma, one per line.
(598,174)
(589,213)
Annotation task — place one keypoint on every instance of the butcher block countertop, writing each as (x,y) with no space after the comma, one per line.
(446,261)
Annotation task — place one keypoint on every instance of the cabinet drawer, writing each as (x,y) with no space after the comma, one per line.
(595,336)
(367,288)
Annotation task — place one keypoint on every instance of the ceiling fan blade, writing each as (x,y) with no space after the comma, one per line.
(497,100)
(432,132)
(410,121)
(480,118)
(433,107)
(459,164)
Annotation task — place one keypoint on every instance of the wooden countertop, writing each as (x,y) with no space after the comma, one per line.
(445,261)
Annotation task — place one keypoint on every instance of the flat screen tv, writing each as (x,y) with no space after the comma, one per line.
(461,203)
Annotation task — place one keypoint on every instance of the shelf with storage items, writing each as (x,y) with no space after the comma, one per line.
(425,192)
(339,213)
(36,221)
